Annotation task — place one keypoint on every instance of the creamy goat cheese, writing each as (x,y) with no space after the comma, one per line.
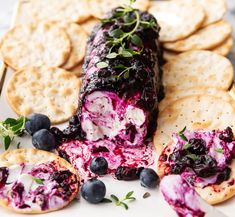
(105,115)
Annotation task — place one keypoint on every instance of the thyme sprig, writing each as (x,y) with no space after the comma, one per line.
(122,202)
(122,43)
(125,71)
(11,128)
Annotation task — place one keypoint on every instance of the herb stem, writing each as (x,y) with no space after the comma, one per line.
(125,70)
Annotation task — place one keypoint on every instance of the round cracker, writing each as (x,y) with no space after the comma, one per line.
(169,55)
(206,38)
(214,9)
(100,7)
(88,25)
(78,38)
(225,47)
(77,70)
(212,194)
(195,112)
(58,10)
(47,90)
(178,94)
(33,156)
(175,18)
(35,45)
(197,68)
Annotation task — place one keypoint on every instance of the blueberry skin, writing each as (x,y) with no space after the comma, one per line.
(99,165)
(36,122)
(93,191)
(149,178)
(44,140)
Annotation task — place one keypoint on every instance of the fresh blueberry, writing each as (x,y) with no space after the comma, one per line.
(149,178)
(36,122)
(44,140)
(93,191)
(99,165)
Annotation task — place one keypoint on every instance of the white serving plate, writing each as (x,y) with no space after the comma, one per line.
(153,206)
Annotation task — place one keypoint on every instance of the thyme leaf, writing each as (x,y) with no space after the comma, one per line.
(181,134)
(38,180)
(102,65)
(219,150)
(106,200)
(193,156)
(186,146)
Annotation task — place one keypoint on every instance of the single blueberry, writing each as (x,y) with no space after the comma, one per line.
(99,165)
(44,140)
(149,178)
(36,122)
(93,191)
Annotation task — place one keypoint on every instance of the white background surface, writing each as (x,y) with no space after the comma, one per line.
(154,206)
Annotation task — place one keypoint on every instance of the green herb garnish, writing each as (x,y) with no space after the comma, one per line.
(219,150)
(125,71)
(121,42)
(122,202)
(38,180)
(10,128)
(106,200)
(102,65)
(186,146)
(182,136)
(193,156)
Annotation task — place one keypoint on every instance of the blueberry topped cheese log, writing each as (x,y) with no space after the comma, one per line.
(122,82)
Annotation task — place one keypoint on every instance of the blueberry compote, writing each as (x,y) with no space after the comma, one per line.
(201,157)
(124,163)
(43,187)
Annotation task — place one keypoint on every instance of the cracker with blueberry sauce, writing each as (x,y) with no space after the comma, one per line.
(205,159)
(34,181)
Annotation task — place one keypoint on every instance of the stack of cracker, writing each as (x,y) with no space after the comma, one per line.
(193,25)
(198,79)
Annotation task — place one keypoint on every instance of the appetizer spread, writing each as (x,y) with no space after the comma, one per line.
(34,181)
(146,70)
